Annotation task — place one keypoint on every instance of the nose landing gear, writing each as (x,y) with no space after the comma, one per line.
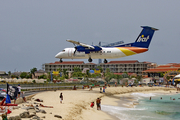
(105,61)
(61,60)
(90,60)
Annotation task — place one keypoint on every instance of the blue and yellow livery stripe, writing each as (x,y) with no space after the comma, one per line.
(127,52)
(132,50)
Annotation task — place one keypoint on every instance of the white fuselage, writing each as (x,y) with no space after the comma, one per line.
(105,53)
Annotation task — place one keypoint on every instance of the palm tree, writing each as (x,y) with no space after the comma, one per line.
(59,69)
(9,74)
(65,73)
(125,75)
(108,75)
(118,77)
(100,68)
(139,77)
(87,75)
(77,69)
(32,71)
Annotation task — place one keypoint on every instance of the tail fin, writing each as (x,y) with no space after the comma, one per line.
(144,37)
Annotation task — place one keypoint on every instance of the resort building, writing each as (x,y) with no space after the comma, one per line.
(171,70)
(131,66)
(50,67)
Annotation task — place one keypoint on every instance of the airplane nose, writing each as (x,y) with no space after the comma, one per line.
(57,55)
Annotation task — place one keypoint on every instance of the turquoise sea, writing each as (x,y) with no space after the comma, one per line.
(154,109)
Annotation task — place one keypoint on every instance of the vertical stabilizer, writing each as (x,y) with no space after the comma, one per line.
(144,38)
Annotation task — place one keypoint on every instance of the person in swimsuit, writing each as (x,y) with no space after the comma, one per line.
(19,90)
(61,98)
(98,103)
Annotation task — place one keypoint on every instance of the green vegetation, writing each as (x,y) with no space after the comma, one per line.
(32,71)
(34,81)
(43,77)
(125,75)
(25,75)
(65,73)
(100,68)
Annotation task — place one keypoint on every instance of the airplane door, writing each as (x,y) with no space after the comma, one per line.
(70,52)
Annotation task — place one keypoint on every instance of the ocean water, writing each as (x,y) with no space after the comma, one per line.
(154,109)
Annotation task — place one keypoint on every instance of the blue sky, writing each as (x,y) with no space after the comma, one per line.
(33,32)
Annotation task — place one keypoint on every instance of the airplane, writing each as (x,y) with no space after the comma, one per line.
(84,51)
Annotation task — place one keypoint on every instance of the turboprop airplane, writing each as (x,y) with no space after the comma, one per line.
(84,51)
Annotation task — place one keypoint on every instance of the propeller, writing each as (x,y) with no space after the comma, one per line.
(75,50)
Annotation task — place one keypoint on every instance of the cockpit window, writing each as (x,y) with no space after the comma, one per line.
(63,50)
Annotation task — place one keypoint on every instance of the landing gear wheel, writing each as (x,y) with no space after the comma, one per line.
(60,60)
(90,60)
(105,61)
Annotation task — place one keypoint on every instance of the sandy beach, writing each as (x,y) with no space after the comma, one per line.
(76,103)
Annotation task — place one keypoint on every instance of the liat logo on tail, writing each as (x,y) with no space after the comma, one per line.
(143,39)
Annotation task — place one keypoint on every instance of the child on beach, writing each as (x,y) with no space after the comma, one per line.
(92,104)
(61,98)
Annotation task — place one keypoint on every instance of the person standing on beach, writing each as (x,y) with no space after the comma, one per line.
(104,89)
(61,98)
(98,103)
(23,97)
(19,90)
(100,90)
(115,84)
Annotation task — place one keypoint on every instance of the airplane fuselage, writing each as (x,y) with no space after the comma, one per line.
(105,53)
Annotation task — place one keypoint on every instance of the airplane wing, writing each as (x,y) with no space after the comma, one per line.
(81,44)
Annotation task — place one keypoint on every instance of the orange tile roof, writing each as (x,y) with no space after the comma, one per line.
(68,62)
(121,62)
(169,65)
(90,64)
(147,62)
(163,66)
(177,65)
(160,69)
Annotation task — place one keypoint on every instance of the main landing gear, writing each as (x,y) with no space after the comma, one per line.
(90,60)
(61,60)
(105,61)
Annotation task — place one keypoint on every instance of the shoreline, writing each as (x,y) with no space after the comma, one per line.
(76,103)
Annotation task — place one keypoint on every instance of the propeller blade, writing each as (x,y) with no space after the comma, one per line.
(75,50)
